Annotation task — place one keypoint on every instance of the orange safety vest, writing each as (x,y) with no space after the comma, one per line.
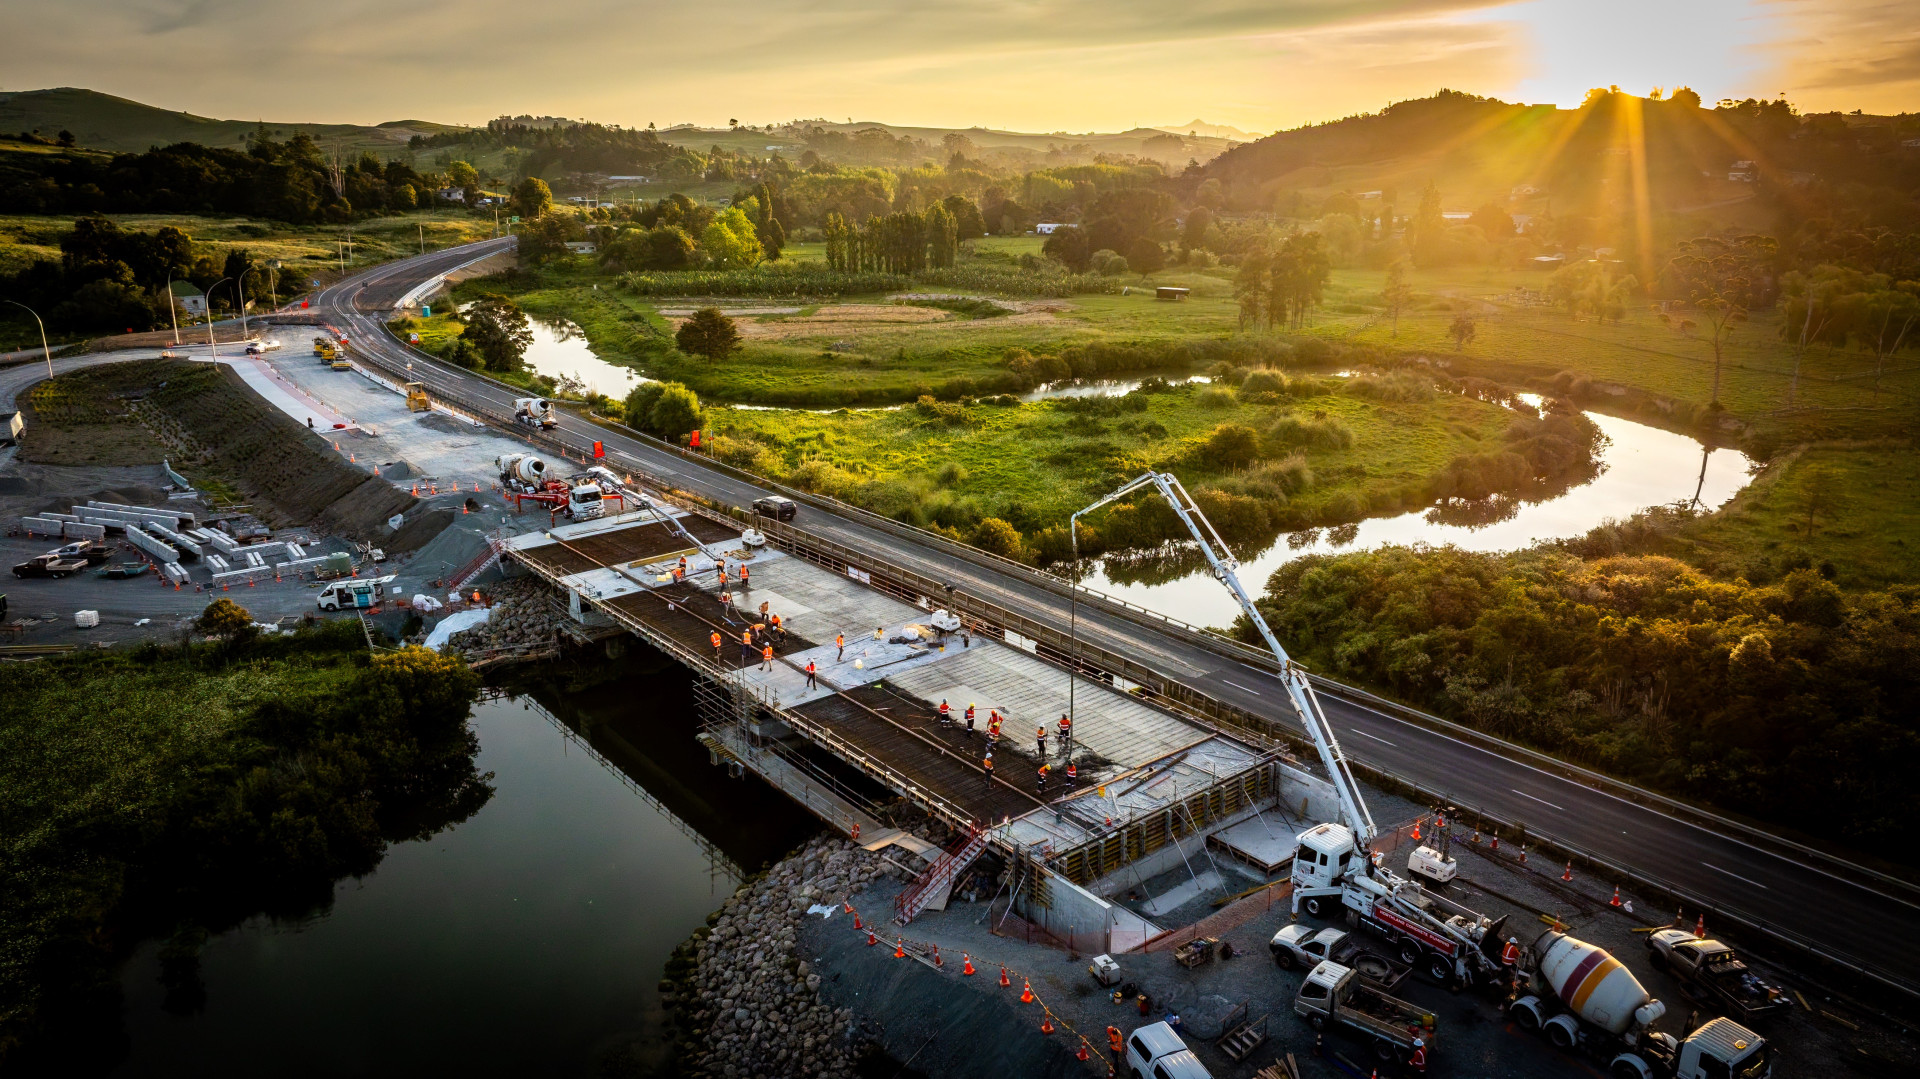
(767,652)
(839,640)
(809,666)
(1072,772)
(969,711)
(1419,1057)
(988,765)
(776,621)
(1113,1038)
(943,708)
(1042,735)
(746,636)
(1510,954)
(716,639)
(743,575)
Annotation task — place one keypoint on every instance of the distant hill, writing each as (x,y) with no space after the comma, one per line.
(104,122)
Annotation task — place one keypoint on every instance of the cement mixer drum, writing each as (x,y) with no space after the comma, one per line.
(524,467)
(1591,983)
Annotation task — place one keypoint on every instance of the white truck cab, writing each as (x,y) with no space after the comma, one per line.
(586,502)
(353,593)
(1325,853)
(1155,1051)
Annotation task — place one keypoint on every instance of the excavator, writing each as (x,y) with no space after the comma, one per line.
(1335,866)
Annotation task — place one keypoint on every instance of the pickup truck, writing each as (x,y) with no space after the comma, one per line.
(1155,1051)
(93,552)
(1714,974)
(49,565)
(1304,946)
(1334,996)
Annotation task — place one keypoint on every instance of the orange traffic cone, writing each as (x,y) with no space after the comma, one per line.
(1700,925)
(936,956)
(1026,992)
(1523,854)
(415,491)
(1615,901)
(1046,1025)
(871,941)
(899,949)
(1440,820)
(463,509)
(1005,982)
(350,457)
(966,963)
(1495,847)
(1416,831)
(847,905)
(1568,875)
(856,921)
(1081,1053)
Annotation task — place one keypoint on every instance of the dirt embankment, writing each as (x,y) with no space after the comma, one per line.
(203,418)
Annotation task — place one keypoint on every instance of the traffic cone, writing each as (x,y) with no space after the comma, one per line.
(1568,875)
(966,963)
(1416,831)
(856,921)
(1005,982)
(899,949)
(1615,901)
(415,491)
(350,458)
(1046,1025)
(936,957)
(871,941)
(1496,843)
(1026,992)
(1700,925)
(847,905)
(1523,854)
(1081,1053)
(1440,820)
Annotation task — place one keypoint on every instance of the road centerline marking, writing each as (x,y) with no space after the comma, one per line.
(1375,737)
(1735,876)
(1238,686)
(1536,798)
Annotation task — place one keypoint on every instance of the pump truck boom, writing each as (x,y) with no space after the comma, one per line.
(1334,866)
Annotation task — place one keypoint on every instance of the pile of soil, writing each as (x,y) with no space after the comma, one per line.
(207,420)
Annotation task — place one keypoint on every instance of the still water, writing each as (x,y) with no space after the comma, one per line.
(528,940)
(1642,466)
(560,351)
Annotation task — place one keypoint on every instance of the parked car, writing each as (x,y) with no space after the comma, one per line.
(1155,1051)
(49,565)
(264,345)
(93,551)
(777,507)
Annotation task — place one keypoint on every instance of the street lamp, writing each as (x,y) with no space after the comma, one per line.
(172,315)
(43,334)
(213,350)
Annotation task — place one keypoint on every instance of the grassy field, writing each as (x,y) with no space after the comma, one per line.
(1034,464)
(1852,507)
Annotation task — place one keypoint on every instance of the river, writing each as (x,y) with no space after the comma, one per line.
(528,940)
(1641,466)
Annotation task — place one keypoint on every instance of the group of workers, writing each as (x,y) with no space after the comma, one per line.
(1045,771)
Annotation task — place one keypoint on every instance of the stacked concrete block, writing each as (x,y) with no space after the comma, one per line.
(151,545)
(77,530)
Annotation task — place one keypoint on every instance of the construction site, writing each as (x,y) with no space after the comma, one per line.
(1076,856)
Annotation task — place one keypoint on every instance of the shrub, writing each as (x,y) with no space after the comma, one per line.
(1263,380)
(951,474)
(1319,432)
(1229,446)
(1343,506)
(1391,386)
(1216,397)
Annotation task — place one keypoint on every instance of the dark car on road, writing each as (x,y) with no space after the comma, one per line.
(777,507)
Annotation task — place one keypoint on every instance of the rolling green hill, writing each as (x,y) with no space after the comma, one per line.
(104,122)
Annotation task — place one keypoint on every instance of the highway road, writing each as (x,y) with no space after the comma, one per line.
(1850,915)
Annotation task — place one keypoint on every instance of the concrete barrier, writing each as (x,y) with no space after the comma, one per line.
(42,526)
(79,530)
(151,545)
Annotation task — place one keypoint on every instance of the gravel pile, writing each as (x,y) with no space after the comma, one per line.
(743,1002)
(523,617)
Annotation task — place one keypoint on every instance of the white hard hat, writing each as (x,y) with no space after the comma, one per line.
(1418,1042)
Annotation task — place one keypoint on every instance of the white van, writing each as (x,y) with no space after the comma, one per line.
(354,594)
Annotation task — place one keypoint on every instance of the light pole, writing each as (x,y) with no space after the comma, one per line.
(239,286)
(44,350)
(213,350)
(422,229)
(172,315)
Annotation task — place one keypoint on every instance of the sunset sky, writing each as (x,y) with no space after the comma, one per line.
(1039,65)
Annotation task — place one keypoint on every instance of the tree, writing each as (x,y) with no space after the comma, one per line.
(1231,445)
(65,139)
(1809,308)
(532,197)
(1068,246)
(730,241)
(1493,221)
(708,333)
(1299,278)
(1721,279)
(1427,230)
(1462,331)
(225,618)
(1145,256)
(104,304)
(943,236)
(1397,292)
(995,536)
(545,238)
(498,330)
(675,412)
(1193,234)
(666,247)
(967,222)
(466,178)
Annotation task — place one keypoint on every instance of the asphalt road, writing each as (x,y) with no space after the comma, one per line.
(1853,917)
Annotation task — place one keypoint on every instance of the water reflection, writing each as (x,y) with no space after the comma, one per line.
(1100,387)
(527,941)
(560,351)
(1641,466)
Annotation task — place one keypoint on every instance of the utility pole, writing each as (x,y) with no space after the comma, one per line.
(172,315)
(422,229)
(44,350)
(340,253)
(239,287)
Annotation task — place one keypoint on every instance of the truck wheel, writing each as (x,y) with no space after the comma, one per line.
(1283,959)
(1410,953)
(1317,1022)
(1624,1070)
(1316,905)
(1524,1018)
(1440,968)
(1385,1051)
(1560,1036)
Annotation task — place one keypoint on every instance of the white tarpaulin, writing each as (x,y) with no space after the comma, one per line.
(453,624)
(424,602)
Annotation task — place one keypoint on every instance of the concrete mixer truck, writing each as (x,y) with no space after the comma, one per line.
(534,412)
(1584,1000)
(523,477)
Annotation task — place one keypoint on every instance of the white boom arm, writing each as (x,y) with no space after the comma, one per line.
(1352,806)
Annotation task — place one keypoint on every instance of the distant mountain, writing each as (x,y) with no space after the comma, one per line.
(104,122)
(1218,131)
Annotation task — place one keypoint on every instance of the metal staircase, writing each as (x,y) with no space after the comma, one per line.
(940,877)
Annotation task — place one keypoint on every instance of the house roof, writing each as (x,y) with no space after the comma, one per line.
(184,288)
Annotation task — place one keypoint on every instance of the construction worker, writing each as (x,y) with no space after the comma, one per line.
(1510,953)
(743,575)
(1073,775)
(969,722)
(879,632)
(946,717)
(1041,737)
(1418,1062)
(1114,1042)
(840,642)
(716,644)
(683,565)
(746,645)
(813,679)
(1041,779)
(726,605)
(993,722)
(987,766)
(766,658)
(723,568)
(777,631)
(1066,736)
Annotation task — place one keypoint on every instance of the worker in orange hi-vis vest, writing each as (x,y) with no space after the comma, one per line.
(946,715)
(987,767)
(1041,737)
(813,679)
(969,721)
(766,658)
(743,575)
(1073,775)
(1114,1043)
(840,642)
(1418,1062)
(746,645)
(716,644)
(1066,736)
(683,565)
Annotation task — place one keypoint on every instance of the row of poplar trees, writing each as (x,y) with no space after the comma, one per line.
(902,242)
